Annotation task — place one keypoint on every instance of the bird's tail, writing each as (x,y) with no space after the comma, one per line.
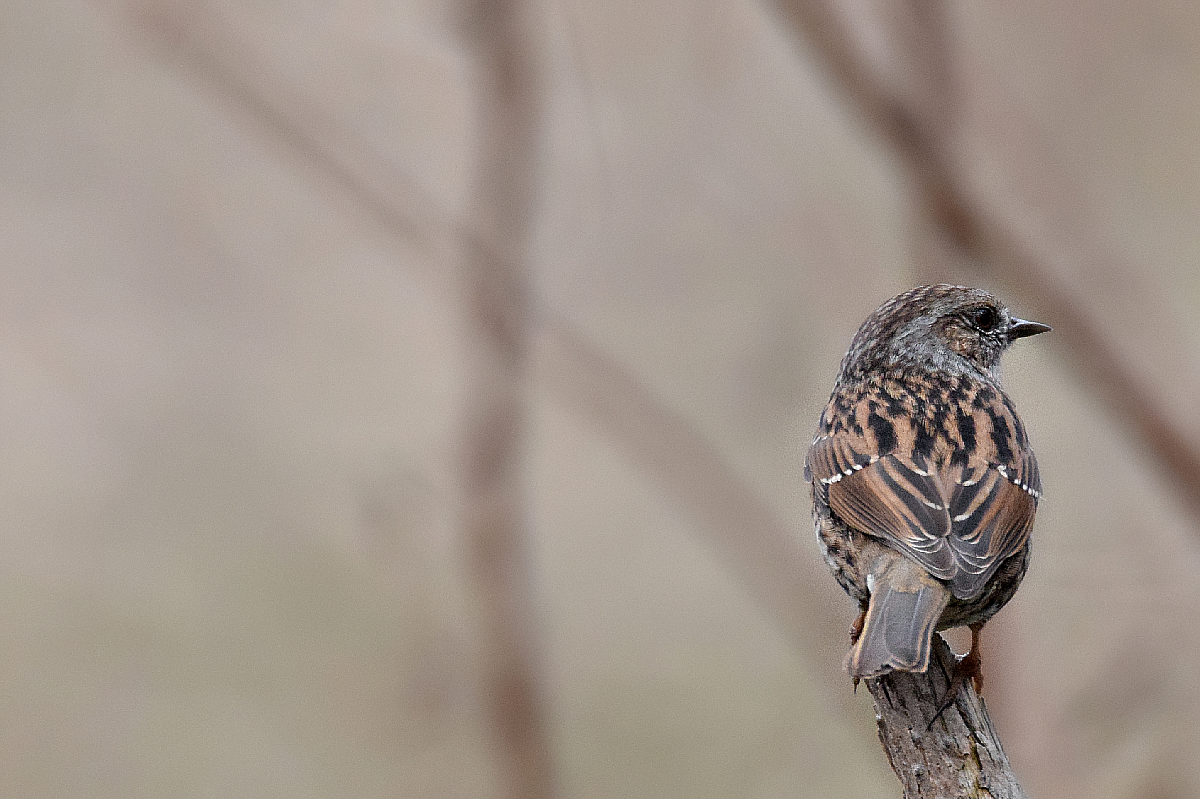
(906,603)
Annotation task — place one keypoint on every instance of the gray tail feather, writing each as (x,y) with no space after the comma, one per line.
(902,615)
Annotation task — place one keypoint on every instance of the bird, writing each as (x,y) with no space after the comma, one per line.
(924,484)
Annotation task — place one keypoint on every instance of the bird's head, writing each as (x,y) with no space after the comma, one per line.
(947,328)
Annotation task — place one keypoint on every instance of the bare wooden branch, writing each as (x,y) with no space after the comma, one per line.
(956,753)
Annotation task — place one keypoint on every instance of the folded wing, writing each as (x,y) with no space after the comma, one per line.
(960,519)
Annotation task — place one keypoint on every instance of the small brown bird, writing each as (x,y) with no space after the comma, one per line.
(924,485)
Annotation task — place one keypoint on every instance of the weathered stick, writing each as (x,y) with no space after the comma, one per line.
(956,753)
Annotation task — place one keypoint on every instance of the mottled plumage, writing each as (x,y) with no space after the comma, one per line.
(924,484)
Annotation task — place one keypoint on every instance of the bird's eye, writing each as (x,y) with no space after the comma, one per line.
(985,318)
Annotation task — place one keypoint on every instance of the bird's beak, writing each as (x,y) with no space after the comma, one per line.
(1020,328)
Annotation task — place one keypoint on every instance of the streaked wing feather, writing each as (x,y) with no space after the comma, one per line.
(961,534)
(959,521)
(994,518)
(892,500)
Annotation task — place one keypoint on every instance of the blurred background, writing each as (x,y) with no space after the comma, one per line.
(410,398)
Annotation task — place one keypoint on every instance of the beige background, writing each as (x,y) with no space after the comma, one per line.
(233,355)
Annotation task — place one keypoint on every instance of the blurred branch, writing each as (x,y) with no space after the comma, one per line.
(496,291)
(192,36)
(959,753)
(995,234)
(662,441)
(496,408)
(759,546)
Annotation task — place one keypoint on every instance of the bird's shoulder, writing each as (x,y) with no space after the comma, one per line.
(929,420)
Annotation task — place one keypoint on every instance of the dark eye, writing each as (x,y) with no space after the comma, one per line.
(984,318)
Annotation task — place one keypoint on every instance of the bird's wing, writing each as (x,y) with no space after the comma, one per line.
(959,520)
(991,509)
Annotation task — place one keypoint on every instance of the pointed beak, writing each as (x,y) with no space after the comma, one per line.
(1020,328)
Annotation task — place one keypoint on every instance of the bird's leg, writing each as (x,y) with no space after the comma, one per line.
(856,626)
(969,665)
